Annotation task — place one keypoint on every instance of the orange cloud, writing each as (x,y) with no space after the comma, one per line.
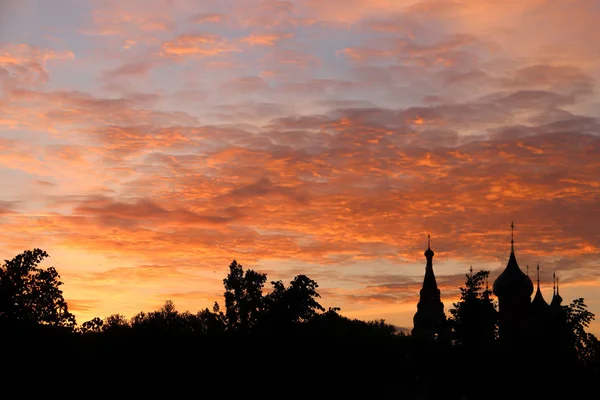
(208,18)
(267,14)
(25,65)
(339,206)
(294,58)
(130,23)
(148,162)
(136,68)
(197,45)
(265,39)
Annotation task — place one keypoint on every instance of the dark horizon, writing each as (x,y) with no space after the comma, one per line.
(534,340)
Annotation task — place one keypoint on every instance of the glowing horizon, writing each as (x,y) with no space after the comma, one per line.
(145,145)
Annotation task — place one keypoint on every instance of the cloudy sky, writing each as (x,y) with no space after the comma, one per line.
(145,144)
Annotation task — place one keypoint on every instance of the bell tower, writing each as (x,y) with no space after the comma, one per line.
(429,320)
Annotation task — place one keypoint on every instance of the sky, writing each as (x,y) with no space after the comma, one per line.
(147,144)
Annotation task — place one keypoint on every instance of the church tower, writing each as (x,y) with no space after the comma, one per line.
(429,320)
(539,316)
(557,314)
(513,288)
(539,306)
(556,302)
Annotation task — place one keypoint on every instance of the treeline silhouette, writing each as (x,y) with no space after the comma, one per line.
(282,343)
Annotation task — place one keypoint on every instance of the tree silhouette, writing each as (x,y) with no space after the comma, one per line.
(115,322)
(578,318)
(30,295)
(92,326)
(167,321)
(300,299)
(243,297)
(332,324)
(474,318)
(164,320)
(212,322)
(285,307)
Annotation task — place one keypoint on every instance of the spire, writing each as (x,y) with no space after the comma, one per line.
(430,317)
(429,280)
(527,267)
(429,253)
(512,259)
(553,283)
(556,299)
(539,304)
(512,237)
(513,280)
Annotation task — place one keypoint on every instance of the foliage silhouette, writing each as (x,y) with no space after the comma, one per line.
(577,320)
(243,297)
(92,326)
(115,322)
(474,318)
(30,295)
(286,307)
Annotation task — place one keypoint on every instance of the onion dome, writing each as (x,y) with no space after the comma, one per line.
(512,281)
(538,303)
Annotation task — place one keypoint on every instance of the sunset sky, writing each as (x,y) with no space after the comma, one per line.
(145,144)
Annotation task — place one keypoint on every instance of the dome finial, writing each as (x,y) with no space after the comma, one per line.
(527,267)
(556,299)
(512,236)
(429,253)
(538,275)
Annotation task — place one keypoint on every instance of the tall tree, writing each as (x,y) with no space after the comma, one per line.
(474,318)
(243,297)
(30,295)
(301,299)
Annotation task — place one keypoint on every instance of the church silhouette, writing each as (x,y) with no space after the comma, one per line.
(430,319)
(531,341)
(520,318)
